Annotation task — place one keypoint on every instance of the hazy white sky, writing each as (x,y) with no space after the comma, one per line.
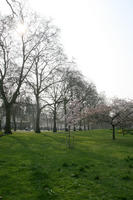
(99,35)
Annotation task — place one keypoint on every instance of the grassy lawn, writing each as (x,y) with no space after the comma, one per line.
(40,167)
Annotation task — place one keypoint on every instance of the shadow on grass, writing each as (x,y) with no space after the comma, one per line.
(89,166)
(124,141)
(39,177)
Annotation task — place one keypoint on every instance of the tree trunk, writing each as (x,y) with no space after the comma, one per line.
(37,130)
(113,126)
(65,113)
(8,119)
(88,124)
(74,127)
(84,125)
(54,126)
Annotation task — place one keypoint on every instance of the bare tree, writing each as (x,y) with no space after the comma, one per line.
(14,6)
(17,43)
(11,5)
(48,57)
(55,95)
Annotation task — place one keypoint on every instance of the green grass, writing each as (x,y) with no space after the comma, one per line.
(40,167)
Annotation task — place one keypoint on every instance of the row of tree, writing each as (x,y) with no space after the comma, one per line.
(32,63)
(33,67)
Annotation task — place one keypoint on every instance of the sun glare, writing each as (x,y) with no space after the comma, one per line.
(21,28)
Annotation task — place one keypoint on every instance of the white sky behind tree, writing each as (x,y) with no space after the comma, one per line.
(99,35)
